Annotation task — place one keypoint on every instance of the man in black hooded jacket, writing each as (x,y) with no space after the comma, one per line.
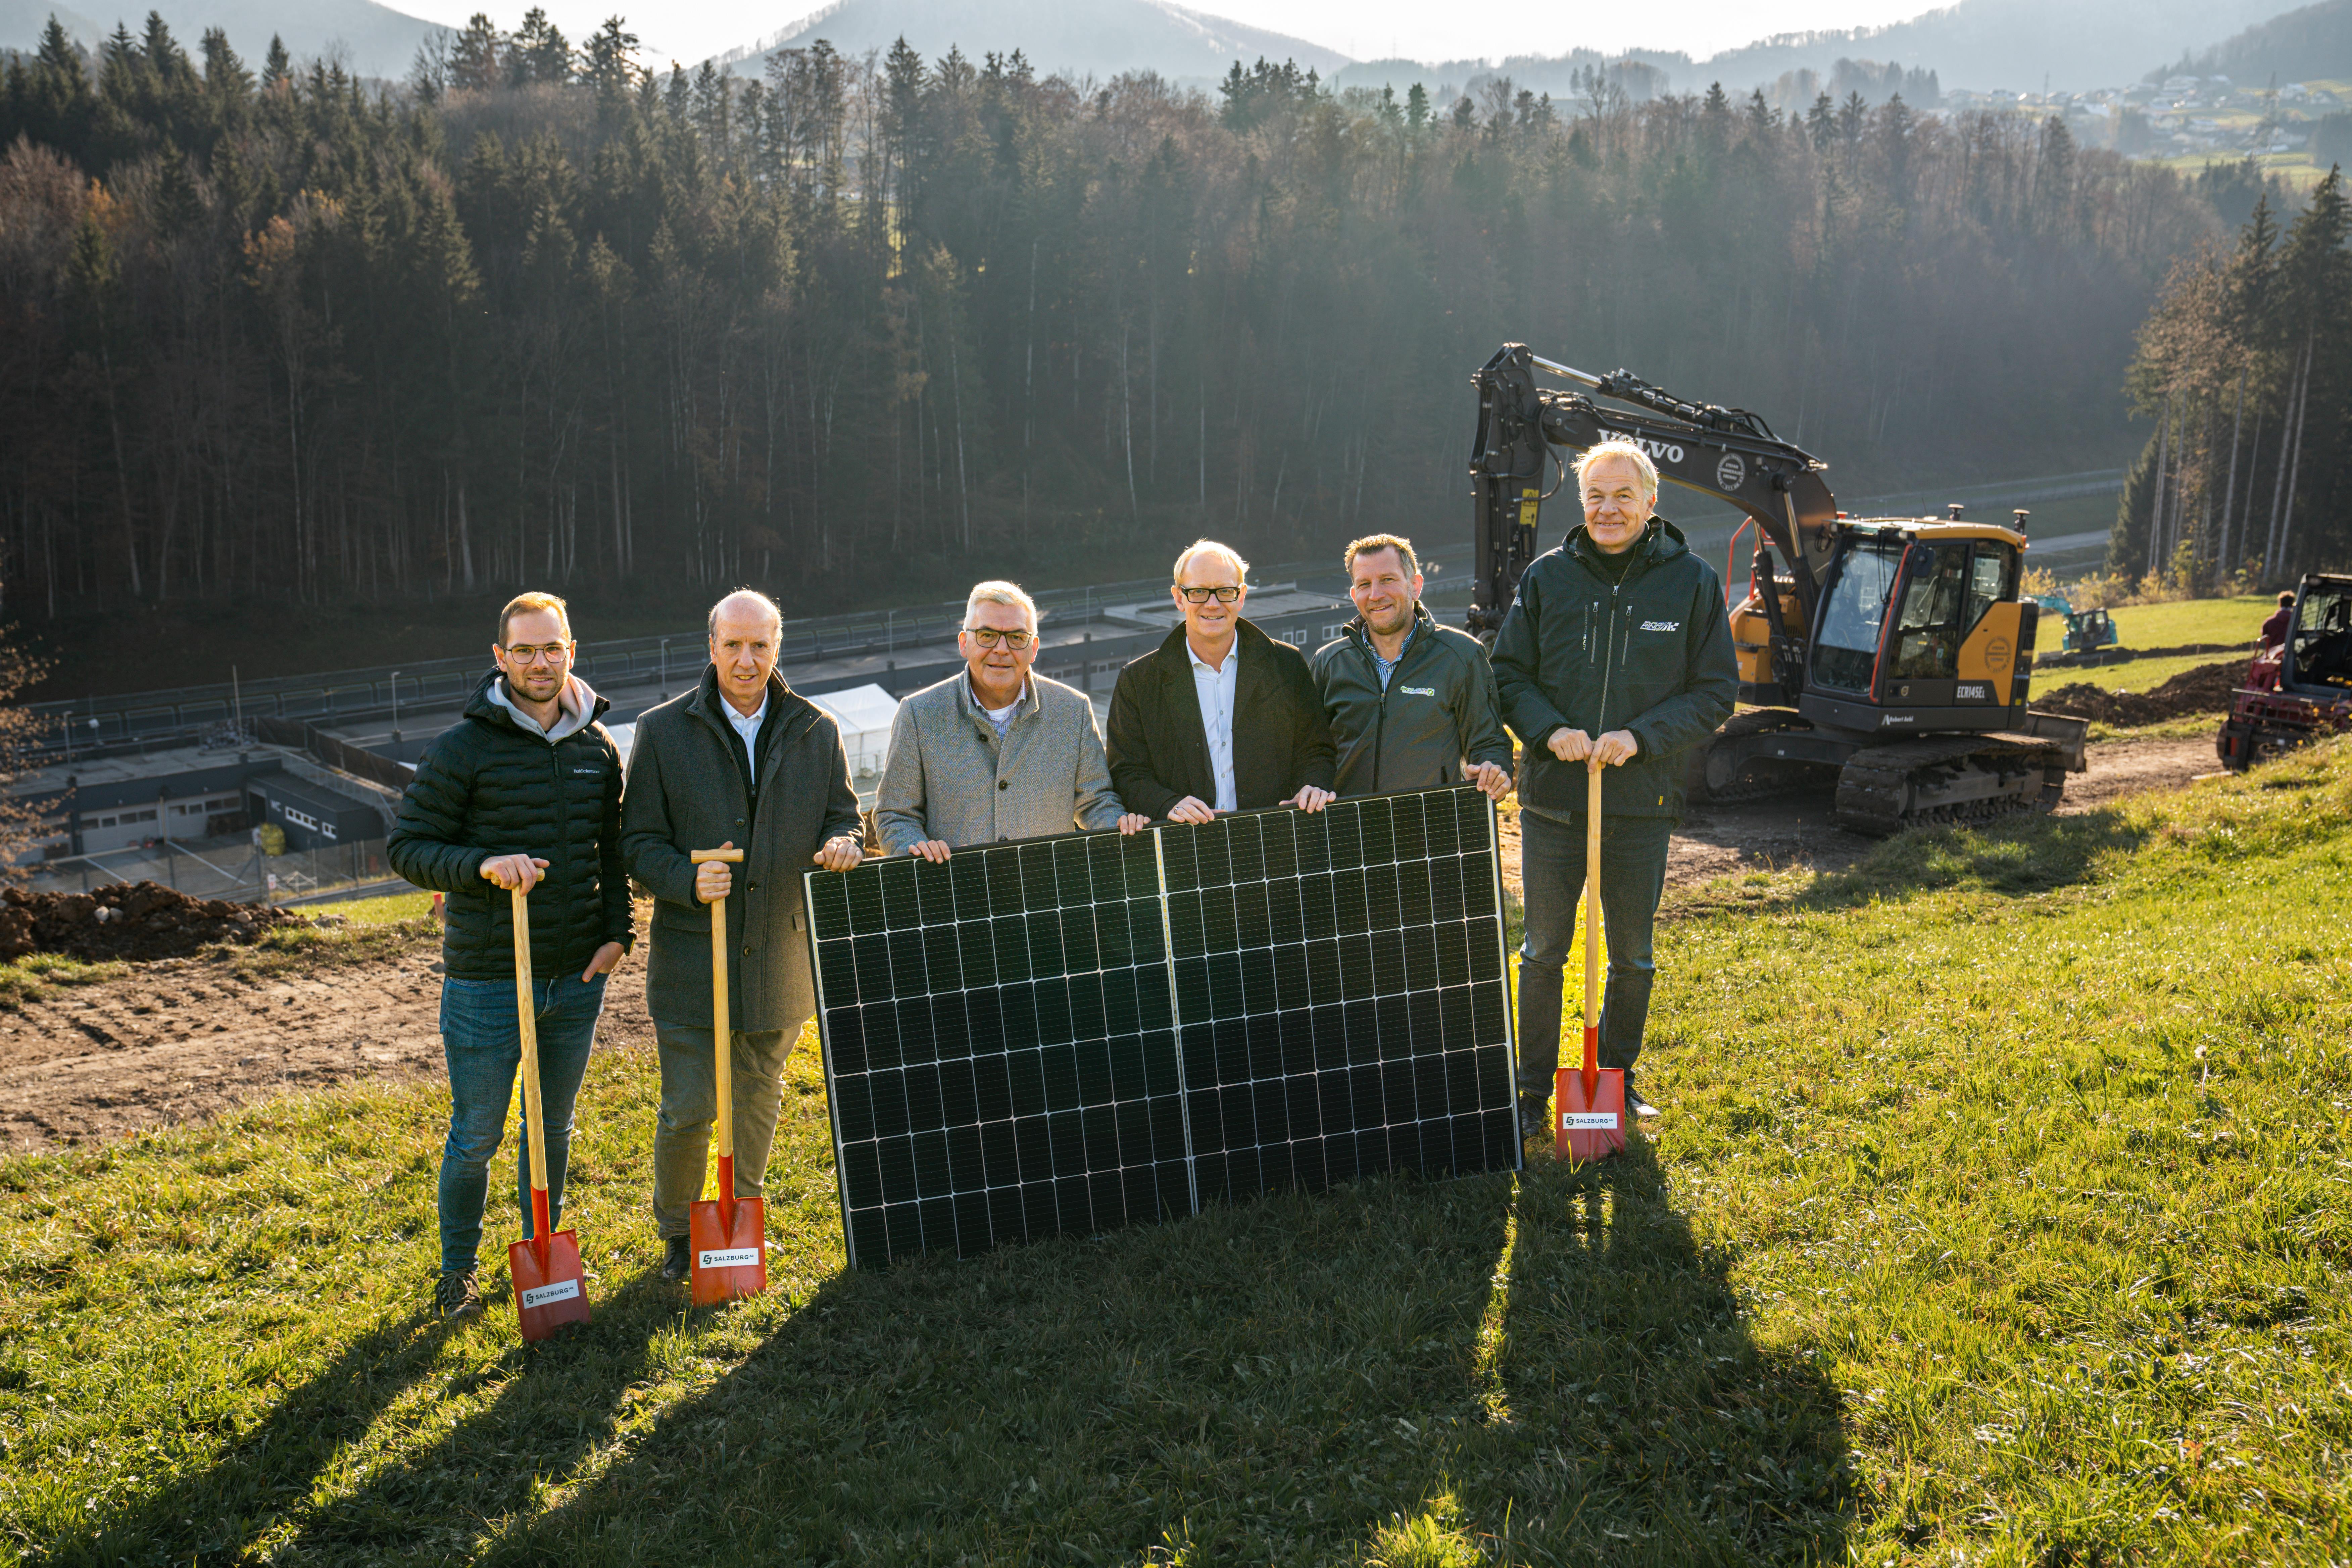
(1616,655)
(523,792)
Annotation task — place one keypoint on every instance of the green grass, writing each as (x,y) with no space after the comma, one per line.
(1998,1217)
(2187,621)
(2131,675)
(39,975)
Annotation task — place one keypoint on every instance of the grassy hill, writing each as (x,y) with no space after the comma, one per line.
(1999,1215)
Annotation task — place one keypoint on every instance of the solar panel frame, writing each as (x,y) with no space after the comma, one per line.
(1079,1069)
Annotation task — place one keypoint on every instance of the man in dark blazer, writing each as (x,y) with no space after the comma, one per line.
(745,760)
(1220,717)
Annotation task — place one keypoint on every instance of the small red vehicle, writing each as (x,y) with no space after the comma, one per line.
(2298,690)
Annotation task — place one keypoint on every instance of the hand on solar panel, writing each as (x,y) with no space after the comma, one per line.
(935,850)
(513,871)
(1615,747)
(713,880)
(1491,778)
(1134,821)
(1309,798)
(1191,810)
(841,854)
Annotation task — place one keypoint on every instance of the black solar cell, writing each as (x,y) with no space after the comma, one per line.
(1069,1034)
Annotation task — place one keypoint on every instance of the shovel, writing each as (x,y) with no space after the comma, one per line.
(728,1235)
(551,1289)
(1592,1100)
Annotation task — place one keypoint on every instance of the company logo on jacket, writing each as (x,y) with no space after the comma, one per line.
(1662,626)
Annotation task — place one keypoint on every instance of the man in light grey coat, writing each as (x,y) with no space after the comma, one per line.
(995,751)
(742,759)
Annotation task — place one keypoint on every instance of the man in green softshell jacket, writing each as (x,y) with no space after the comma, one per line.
(1616,654)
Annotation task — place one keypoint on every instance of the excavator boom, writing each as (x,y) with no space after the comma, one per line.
(1726,453)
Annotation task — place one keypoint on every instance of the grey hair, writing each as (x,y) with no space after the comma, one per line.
(997,592)
(1600,451)
(1231,557)
(775,615)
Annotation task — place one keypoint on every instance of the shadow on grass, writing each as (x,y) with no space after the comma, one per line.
(2016,857)
(264,1477)
(556,1402)
(1296,1380)
(1662,1431)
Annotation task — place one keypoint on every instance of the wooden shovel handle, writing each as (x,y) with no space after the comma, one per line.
(527,1018)
(722,1029)
(1592,893)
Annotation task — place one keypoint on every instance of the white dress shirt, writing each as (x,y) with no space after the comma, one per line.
(1215,688)
(749,729)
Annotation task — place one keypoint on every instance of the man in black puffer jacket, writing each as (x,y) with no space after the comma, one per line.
(1616,654)
(523,792)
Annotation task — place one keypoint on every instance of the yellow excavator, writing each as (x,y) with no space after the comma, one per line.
(1892,654)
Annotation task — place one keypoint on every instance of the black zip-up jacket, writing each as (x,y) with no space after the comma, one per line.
(1440,708)
(1650,653)
(1158,749)
(486,786)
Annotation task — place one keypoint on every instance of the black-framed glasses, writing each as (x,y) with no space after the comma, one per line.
(989,636)
(1224,595)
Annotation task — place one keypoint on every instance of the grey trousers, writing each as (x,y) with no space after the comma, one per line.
(690,1104)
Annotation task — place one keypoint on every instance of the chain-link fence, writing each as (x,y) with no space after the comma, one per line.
(235,870)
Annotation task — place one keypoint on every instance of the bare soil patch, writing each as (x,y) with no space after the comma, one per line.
(185,1039)
(2204,690)
(141,920)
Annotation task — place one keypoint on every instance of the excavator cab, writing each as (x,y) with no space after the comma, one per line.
(1892,654)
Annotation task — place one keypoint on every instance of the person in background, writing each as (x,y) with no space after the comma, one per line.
(1219,717)
(1615,655)
(1411,703)
(2281,622)
(995,751)
(741,759)
(523,792)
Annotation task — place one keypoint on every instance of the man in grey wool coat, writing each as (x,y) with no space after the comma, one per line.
(742,759)
(995,751)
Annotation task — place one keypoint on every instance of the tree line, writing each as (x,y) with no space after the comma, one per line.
(543,315)
(2245,366)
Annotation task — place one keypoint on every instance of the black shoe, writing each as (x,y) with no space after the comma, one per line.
(1635,1105)
(1535,1117)
(456,1296)
(677,1259)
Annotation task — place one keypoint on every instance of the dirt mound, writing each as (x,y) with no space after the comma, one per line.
(2204,690)
(141,921)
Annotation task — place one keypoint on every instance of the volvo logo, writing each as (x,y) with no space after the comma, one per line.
(1731,473)
(1659,451)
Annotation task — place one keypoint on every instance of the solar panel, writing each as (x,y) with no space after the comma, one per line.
(1064,1035)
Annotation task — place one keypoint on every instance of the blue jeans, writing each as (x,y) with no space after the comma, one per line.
(482,1039)
(1632,879)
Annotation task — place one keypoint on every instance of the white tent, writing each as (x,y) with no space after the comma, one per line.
(864,713)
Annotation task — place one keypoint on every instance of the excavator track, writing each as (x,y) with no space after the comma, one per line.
(1936,780)
(1759,784)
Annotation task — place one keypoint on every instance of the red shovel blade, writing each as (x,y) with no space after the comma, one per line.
(729,1252)
(1590,1127)
(551,1289)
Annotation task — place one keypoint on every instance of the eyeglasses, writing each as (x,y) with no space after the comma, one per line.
(989,636)
(553,653)
(1224,595)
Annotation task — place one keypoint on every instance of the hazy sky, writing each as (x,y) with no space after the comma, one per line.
(1366,29)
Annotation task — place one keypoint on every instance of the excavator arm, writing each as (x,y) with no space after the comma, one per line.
(1515,463)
